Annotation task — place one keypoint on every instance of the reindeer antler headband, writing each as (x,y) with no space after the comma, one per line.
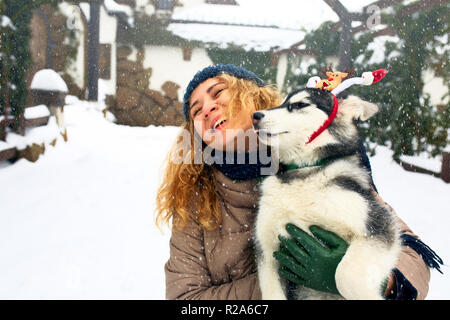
(336,87)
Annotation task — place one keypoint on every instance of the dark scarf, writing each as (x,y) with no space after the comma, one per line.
(246,170)
(240,166)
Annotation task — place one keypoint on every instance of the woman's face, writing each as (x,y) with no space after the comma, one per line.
(208,109)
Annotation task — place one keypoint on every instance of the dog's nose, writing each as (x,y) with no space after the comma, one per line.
(256,116)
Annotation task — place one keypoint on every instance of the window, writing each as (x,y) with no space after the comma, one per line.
(164,5)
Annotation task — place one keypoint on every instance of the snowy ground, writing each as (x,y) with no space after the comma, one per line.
(79,223)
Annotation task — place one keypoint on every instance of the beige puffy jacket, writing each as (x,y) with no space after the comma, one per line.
(220,264)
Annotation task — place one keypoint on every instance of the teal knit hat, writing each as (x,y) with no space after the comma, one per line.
(211,72)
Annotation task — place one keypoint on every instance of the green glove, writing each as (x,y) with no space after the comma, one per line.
(308,262)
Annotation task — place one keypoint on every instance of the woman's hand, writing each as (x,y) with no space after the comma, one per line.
(308,262)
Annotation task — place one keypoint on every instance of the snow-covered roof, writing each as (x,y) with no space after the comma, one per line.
(256,38)
(256,24)
(114,7)
(48,79)
(286,14)
(355,5)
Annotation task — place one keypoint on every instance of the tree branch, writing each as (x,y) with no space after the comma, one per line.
(337,7)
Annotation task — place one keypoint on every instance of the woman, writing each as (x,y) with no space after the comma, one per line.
(212,206)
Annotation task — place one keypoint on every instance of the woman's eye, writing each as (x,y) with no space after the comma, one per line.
(218,92)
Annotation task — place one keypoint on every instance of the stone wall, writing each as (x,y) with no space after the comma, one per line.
(60,51)
(137,105)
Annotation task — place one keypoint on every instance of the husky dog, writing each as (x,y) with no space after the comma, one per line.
(336,194)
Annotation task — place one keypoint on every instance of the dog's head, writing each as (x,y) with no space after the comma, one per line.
(290,126)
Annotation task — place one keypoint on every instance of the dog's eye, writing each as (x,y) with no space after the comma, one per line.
(297,105)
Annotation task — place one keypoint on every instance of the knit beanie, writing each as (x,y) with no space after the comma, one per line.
(211,72)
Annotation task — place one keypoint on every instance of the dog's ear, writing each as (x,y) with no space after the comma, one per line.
(357,108)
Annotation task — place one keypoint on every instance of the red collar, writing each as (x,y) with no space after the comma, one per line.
(327,122)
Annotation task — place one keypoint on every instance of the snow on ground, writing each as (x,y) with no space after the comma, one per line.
(79,223)
(38,135)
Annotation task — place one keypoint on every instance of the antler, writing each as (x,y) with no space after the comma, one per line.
(326,69)
(350,72)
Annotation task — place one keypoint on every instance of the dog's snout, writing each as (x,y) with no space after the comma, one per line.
(257,116)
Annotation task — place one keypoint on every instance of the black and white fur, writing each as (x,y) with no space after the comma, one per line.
(337,196)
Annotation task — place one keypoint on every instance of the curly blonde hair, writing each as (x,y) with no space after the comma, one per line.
(187,191)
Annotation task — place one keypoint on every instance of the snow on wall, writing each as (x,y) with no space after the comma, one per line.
(281,70)
(108,32)
(168,65)
(108,27)
(36,112)
(76,69)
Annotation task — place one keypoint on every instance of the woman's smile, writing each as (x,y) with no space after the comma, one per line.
(219,124)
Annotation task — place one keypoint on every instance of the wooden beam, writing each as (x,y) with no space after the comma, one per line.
(414,168)
(8,154)
(50,43)
(384,32)
(93,50)
(85,22)
(345,45)
(36,122)
(7,122)
(445,169)
(222,23)
(337,7)
(295,51)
